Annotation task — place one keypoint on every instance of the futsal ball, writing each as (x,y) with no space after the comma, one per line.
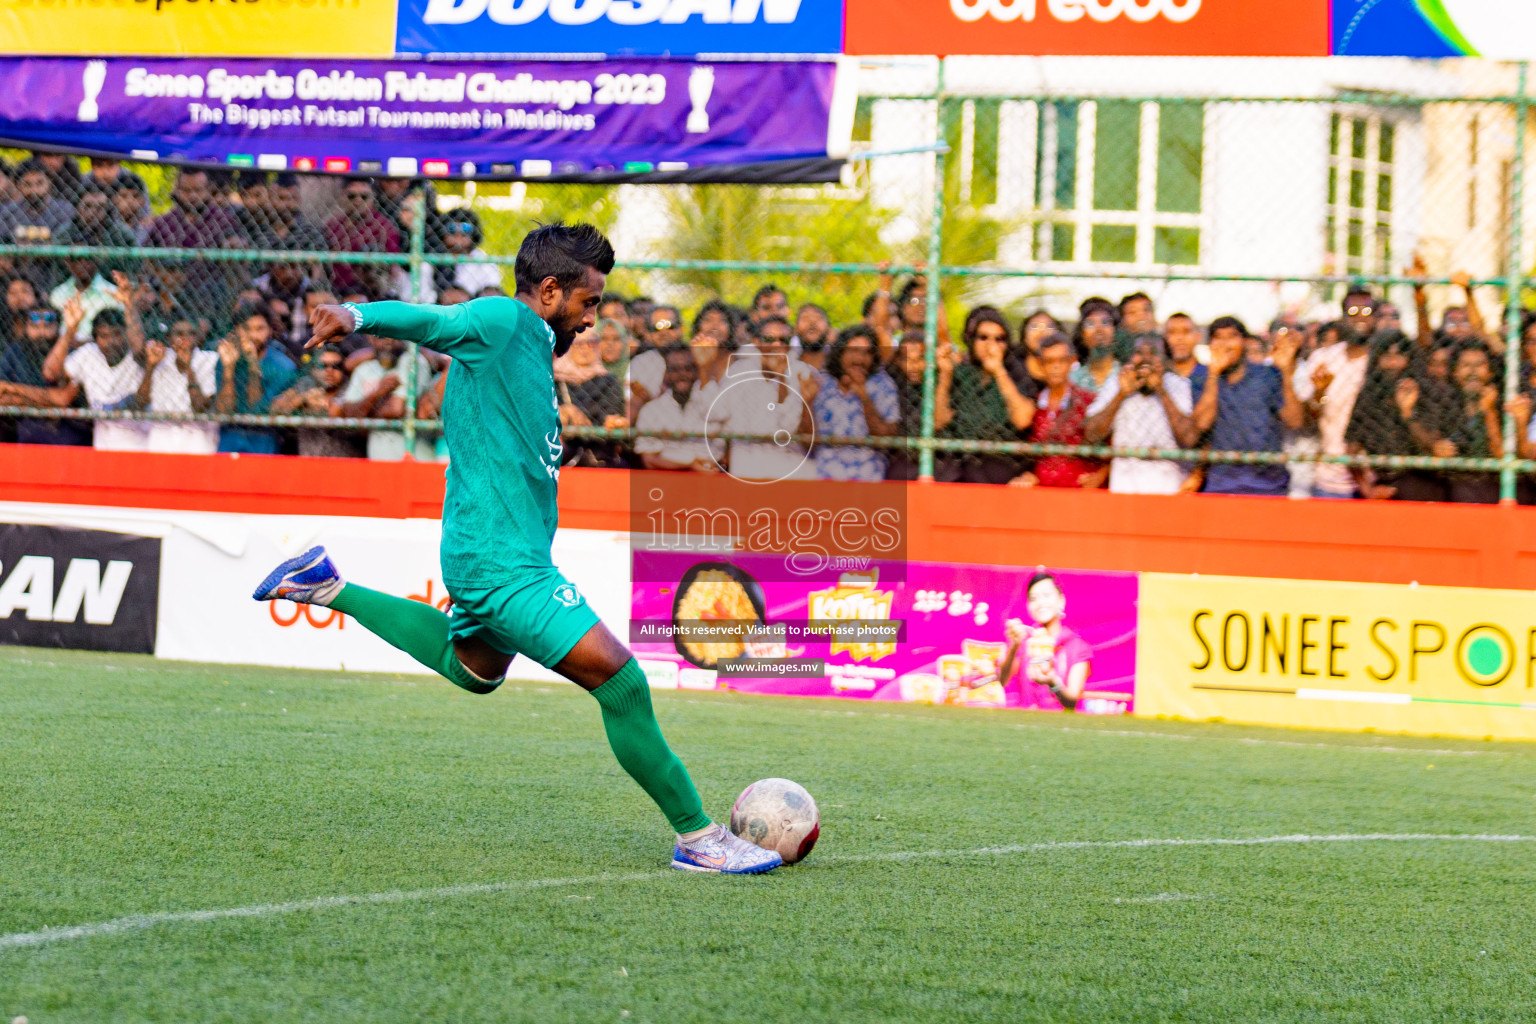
(778,815)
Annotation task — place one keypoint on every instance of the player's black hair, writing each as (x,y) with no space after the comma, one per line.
(1181,316)
(834,366)
(563,252)
(1224,322)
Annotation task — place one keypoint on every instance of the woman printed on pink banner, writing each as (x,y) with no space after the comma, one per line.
(1056,662)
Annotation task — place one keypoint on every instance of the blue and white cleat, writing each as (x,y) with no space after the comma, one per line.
(310,578)
(720,852)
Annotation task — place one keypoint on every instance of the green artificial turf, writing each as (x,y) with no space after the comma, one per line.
(130,786)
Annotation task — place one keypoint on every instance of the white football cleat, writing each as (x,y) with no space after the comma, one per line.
(720,852)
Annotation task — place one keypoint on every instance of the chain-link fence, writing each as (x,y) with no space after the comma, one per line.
(1302,277)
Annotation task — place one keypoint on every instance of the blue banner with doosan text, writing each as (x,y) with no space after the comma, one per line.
(438,119)
(620,27)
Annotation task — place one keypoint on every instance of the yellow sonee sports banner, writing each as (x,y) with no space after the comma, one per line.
(224,28)
(1441,661)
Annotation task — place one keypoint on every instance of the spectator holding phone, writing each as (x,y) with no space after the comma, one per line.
(1244,407)
(1150,408)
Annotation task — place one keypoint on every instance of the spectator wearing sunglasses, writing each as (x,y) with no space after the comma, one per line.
(1360,311)
(462,235)
(320,393)
(360,227)
(23,383)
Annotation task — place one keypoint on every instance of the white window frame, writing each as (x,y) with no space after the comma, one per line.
(1373,221)
(1020,184)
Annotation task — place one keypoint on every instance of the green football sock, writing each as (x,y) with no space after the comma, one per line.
(642,751)
(414,627)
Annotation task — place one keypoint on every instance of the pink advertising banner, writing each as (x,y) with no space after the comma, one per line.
(978,636)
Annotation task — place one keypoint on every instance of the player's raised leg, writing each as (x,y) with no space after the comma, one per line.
(414,627)
(548,619)
(602,665)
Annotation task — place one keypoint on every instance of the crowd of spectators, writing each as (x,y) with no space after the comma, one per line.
(227,336)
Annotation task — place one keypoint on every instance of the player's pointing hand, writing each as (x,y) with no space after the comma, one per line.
(330,323)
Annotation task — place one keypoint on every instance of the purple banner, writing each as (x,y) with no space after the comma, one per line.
(439,119)
(979,636)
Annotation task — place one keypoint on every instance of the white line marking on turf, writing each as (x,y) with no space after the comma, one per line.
(138,922)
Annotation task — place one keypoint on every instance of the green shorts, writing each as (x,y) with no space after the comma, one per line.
(541,616)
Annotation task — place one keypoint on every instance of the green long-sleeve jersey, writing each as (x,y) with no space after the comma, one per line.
(501,420)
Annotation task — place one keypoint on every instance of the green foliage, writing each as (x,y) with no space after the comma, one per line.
(749,222)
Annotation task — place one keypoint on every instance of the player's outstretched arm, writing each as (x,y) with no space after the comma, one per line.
(448,329)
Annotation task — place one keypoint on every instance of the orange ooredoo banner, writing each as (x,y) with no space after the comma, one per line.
(1227,28)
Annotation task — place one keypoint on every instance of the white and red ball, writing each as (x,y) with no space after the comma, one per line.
(777,815)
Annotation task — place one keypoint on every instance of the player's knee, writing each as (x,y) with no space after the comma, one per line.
(478,673)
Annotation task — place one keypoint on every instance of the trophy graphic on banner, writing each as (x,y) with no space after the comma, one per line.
(92,80)
(701,82)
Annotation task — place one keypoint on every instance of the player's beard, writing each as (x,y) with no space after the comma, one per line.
(565,331)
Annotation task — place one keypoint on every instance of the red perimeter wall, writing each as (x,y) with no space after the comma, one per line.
(1387,542)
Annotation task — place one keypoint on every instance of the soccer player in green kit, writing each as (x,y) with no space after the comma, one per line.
(502,425)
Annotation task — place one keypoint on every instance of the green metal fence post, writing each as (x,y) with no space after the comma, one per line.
(418,236)
(1516,277)
(935,283)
